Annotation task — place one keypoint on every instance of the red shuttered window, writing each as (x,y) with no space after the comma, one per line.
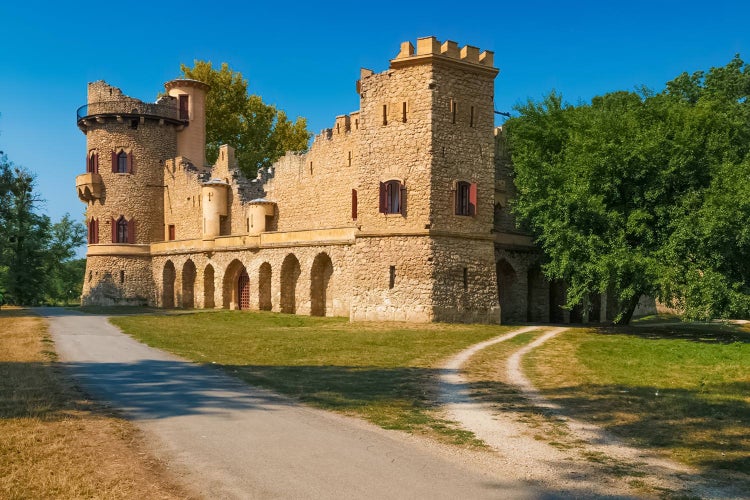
(392,197)
(465,198)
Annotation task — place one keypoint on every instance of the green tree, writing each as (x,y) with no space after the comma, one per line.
(27,237)
(628,194)
(36,257)
(65,274)
(259,132)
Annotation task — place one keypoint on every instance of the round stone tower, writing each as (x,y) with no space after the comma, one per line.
(127,142)
(191,107)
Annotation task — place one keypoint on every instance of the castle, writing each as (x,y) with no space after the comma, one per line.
(397,212)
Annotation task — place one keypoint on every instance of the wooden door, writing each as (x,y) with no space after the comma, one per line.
(243,290)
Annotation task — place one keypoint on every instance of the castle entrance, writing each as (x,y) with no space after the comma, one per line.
(243,290)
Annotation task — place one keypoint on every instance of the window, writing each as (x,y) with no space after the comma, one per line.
(184,100)
(385,114)
(392,277)
(122,276)
(466,278)
(454,109)
(123,230)
(403,112)
(171,232)
(392,197)
(465,198)
(92,166)
(122,162)
(93,227)
(471,117)
(354,204)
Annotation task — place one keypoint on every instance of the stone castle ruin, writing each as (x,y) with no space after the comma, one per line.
(397,212)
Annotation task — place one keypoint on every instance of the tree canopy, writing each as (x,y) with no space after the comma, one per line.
(260,133)
(641,192)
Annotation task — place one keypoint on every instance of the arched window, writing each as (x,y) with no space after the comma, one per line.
(92,166)
(93,231)
(122,230)
(122,162)
(392,197)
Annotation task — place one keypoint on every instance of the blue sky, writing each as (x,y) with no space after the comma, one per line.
(305,57)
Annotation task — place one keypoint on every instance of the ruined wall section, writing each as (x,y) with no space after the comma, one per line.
(314,190)
(182,198)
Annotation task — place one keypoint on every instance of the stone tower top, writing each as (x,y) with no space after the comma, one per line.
(191,105)
(430,49)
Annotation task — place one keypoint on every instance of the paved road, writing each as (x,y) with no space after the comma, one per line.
(234,441)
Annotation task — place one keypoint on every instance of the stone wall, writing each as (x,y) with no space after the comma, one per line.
(314,190)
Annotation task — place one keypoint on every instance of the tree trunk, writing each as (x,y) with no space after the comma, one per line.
(627,310)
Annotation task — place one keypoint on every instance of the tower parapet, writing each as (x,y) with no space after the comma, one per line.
(108,102)
(429,48)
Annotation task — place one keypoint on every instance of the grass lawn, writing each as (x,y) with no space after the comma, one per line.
(54,443)
(682,389)
(383,372)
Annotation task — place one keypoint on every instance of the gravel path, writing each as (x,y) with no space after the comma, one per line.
(567,468)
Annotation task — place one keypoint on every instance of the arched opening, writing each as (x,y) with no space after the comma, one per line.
(167,280)
(264,287)
(537,307)
(320,285)
(208,287)
(290,272)
(506,278)
(188,284)
(230,291)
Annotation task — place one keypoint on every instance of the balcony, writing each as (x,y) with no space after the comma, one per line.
(89,186)
(122,110)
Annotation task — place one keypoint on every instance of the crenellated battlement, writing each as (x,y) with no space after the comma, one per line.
(429,47)
(342,127)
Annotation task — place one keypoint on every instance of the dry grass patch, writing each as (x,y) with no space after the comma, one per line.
(55,444)
(680,389)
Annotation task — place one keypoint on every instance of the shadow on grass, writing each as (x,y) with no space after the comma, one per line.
(707,333)
(651,417)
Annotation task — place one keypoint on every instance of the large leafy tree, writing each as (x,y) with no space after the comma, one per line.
(259,132)
(629,194)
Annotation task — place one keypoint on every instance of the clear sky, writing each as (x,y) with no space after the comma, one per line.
(305,57)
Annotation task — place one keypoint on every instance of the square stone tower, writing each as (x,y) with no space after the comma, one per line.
(425,251)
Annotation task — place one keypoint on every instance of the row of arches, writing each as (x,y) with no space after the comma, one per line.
(239,292)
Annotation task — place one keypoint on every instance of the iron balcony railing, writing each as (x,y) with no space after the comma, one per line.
(124,108)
